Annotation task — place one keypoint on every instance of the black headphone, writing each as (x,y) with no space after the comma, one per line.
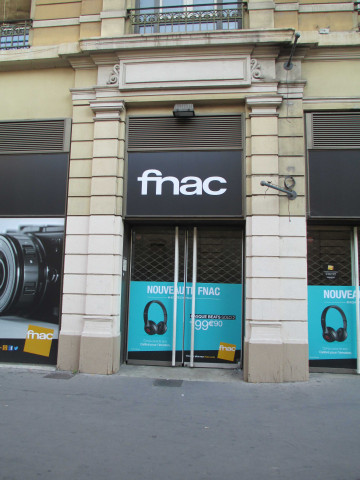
(151,328)
(329,333)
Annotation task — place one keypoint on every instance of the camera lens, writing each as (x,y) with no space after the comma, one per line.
(30,262)
(8,273)
(2,274)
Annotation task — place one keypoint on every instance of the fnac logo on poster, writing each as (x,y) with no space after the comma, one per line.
(227,351)
(38,340)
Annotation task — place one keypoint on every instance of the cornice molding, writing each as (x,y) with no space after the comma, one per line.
(66,22)
(261,5)
(218,38)
(113,14)
(335,100)
(106,110)
(292,89)
(335,53)
(314,8)
(82,63)
(82,94)
(326,7)
(264,105)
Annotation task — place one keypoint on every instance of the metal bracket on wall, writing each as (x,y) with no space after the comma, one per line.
(289,184)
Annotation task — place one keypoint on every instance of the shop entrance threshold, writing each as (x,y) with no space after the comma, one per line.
(180,373)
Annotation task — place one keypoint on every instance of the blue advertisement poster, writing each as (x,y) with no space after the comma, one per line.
(332,323)
(217,318)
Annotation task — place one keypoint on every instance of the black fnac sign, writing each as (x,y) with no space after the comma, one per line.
(334,183)
(184,184)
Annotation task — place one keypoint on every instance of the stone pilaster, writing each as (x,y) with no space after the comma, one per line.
(275,347)
(90,342)
(100,339)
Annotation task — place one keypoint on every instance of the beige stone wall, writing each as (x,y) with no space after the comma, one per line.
(332,78)
(43,93)
(14,10)
(57,22)
(46,10)
(308,15)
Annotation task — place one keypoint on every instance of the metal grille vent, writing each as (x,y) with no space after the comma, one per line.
(170,133)
(34,136)
(329,248)
(338,130)
(153,255)
(219,257)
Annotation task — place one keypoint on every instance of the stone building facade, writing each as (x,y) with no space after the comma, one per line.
(104,65)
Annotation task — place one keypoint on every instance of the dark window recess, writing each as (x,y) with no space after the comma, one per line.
(329,257)
(333,142)
(34,167)
(33,185)
(334,183)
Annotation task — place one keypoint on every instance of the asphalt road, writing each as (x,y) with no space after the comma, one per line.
(63,426)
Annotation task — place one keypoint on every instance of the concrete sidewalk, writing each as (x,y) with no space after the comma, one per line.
(179,424)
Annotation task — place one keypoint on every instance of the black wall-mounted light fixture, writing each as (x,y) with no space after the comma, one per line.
(289,65)
(289,184)
(184,110)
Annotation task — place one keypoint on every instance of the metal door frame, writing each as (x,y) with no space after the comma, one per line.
(173,361)
(355,280)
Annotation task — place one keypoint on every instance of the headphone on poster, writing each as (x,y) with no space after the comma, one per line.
(152,328)
(329,334)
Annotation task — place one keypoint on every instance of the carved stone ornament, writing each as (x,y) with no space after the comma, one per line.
(256,73)
(114,76)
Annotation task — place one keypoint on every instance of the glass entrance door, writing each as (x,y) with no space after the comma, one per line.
(185,305)
(332,297)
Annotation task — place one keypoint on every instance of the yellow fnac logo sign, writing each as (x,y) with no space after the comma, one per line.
(227,351)
(38,340)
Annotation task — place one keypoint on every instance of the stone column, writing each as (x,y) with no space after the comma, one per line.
(90,333)
(275,348)
(100,339)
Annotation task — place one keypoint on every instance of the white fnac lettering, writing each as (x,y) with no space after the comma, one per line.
(227,348)
(186,186)
(39,336)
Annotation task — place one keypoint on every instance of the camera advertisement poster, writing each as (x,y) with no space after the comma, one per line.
(218,319)
(332,323)
(31,258)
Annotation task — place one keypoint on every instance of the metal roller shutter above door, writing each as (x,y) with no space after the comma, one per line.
(333,130)
(223,132)
(30,136)
(34,162)
(333,141)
